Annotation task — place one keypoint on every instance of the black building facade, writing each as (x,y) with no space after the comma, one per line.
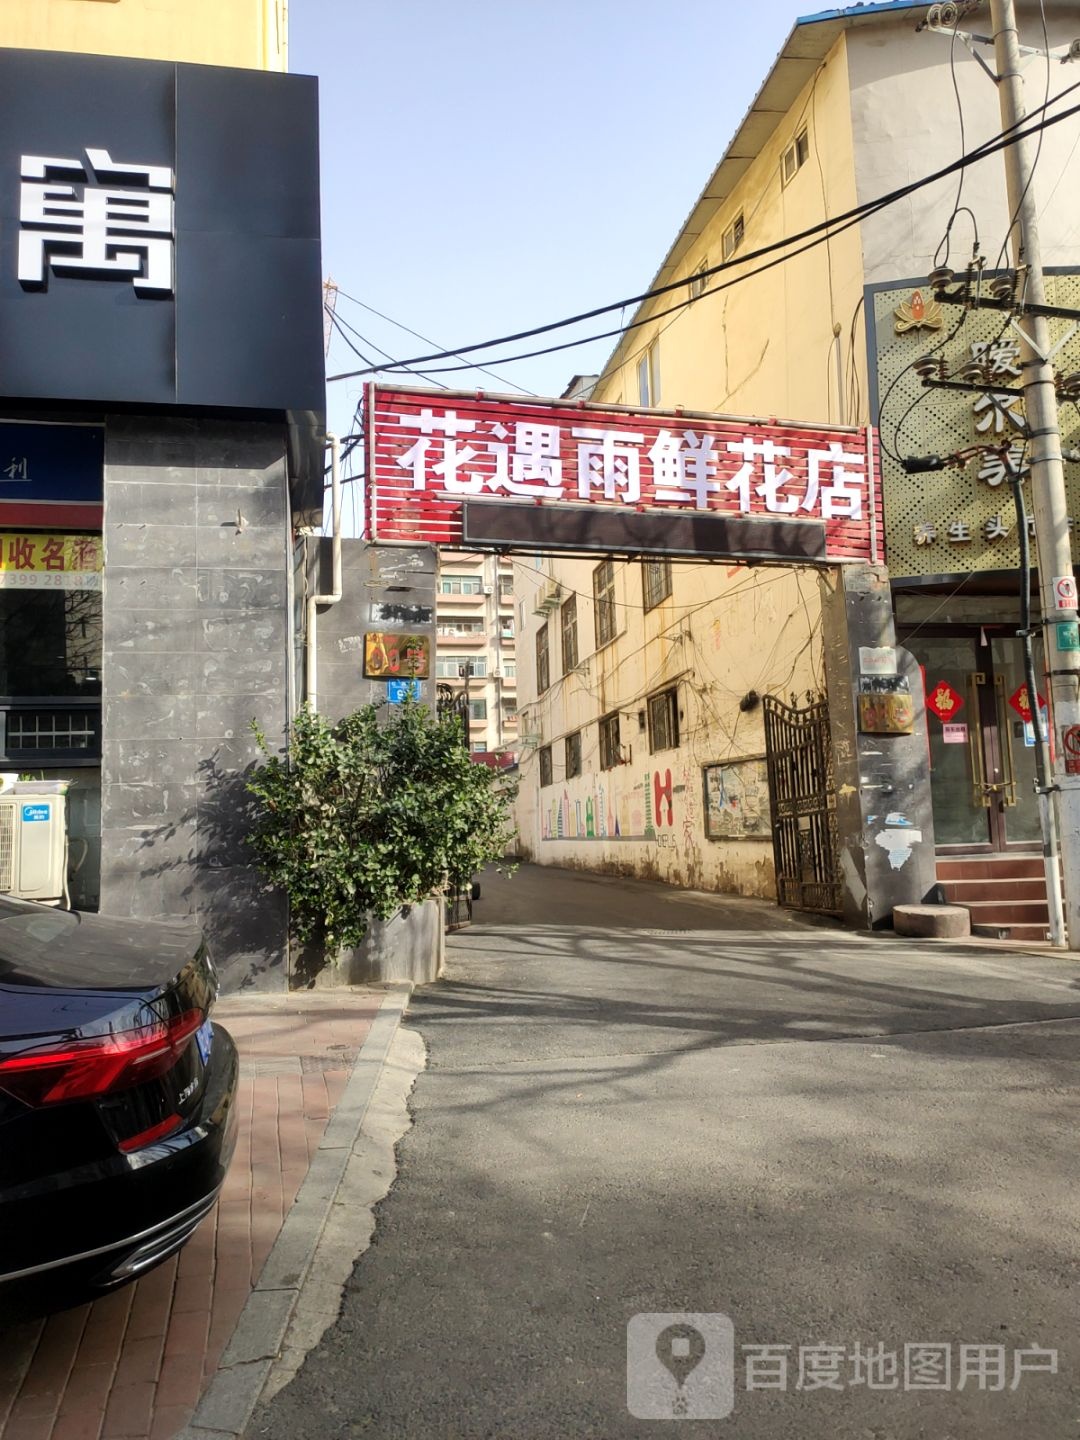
(161,419)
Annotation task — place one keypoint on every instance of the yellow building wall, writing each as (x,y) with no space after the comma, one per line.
(764,348)
(249,34)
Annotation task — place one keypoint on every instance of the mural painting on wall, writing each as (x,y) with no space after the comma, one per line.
(645,812)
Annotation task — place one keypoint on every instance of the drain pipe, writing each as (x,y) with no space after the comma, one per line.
(311,676)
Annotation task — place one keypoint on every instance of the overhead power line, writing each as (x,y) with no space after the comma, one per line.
(817,234)
(426,339)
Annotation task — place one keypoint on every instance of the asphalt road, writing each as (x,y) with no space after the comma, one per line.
(640,1101)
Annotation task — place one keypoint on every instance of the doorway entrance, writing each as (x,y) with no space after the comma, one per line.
(982,749)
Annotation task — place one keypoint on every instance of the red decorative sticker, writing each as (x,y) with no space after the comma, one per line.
(1021,703)
(943,700)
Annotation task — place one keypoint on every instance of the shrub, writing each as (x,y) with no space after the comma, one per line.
(365,816)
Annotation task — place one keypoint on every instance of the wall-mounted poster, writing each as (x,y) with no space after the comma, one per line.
(390,657)
(737,800)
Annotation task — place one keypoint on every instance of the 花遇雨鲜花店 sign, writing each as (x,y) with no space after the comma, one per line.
(433,455)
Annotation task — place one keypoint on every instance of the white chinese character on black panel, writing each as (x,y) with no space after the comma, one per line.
(96,218)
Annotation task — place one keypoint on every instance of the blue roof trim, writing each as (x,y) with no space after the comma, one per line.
(878,8)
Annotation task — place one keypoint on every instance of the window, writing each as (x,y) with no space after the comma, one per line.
(478,709)
(545,766)
(655,582)
(609,742)
(506,588)
(699,280)
(453,626)
(664,720)
(50,674)
(568,619)
(573,755)
(479,747)
(449,667)
(603,583)
(543,664)
(648,376)
(795,156)
(733,237)
(509,669)
(460,585)
(506,629)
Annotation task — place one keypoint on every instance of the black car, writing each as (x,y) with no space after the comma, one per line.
(117,1093)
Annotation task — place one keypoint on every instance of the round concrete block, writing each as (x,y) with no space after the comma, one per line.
(939,922)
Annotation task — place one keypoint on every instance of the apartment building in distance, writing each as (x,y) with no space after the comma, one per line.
(477,625)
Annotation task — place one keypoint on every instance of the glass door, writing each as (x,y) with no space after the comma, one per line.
(1014,760)
(956,693)
(981,740)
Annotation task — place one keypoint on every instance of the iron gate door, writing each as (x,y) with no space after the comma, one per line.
(805,849)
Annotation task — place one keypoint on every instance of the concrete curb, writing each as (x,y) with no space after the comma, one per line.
(230,1399)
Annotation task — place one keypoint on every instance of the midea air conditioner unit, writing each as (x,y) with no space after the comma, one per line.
(33,849)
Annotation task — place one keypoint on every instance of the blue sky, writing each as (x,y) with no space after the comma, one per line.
(490,165)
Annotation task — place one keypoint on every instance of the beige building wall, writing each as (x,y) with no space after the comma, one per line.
(477,625)
(899,78)
(727,633)
(249,34)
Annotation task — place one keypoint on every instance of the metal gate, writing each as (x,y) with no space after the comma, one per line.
(803,800)
(454,702)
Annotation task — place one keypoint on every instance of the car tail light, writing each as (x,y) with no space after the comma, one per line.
(85,1069)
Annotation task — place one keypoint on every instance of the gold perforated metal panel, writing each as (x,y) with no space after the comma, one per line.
(943,506)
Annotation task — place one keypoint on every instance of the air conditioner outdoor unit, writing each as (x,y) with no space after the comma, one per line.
(33,846)
(489,590)
(496,674)
(548,598)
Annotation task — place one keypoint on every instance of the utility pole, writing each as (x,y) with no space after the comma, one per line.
(1053,548)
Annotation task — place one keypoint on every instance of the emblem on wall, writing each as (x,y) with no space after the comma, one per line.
(916,313)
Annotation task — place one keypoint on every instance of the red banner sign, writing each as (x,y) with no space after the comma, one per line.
(431,450)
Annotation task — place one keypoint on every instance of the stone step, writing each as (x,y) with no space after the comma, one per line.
(1025,934)
(1008,912)
(989,867)
(959,892)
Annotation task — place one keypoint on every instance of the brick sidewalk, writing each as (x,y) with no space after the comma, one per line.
(133,1364)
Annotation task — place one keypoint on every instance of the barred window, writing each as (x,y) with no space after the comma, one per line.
(609,741)
(604,602)
(573,755)
(664,720)
(543,661)
(655,582)
(545,766)
(568,618)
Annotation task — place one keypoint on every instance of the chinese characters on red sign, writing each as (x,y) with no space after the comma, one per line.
(429,451)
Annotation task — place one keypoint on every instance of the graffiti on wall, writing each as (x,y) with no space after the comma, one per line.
(651,809)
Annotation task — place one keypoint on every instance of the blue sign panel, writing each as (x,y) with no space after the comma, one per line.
(51,463)
(36,812)
(397,690)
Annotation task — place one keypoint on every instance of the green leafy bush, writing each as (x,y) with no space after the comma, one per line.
(364,816)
